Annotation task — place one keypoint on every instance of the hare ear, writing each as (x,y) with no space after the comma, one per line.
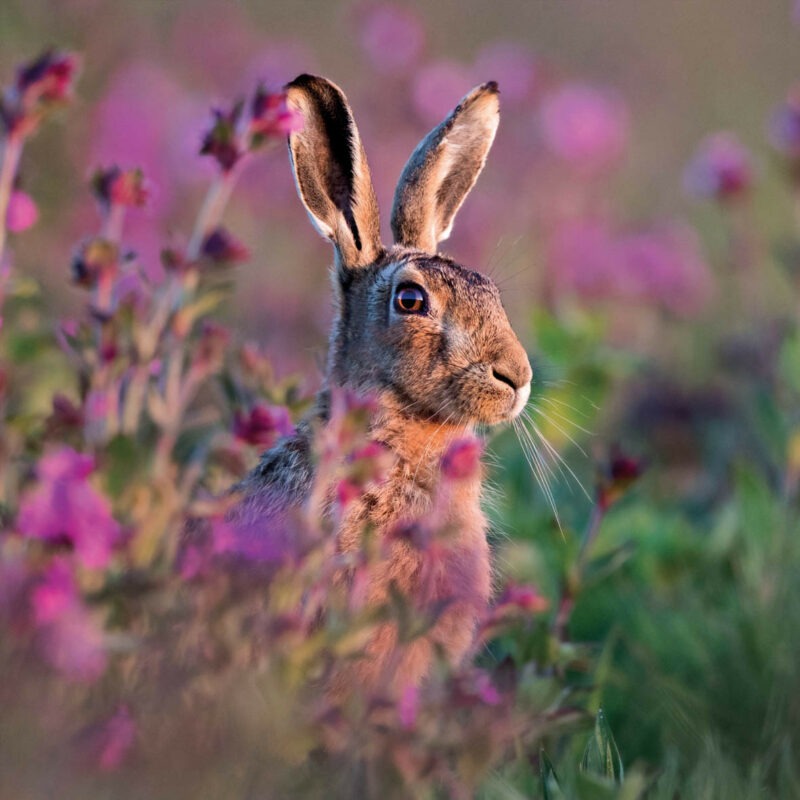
(331,172)
(443,169)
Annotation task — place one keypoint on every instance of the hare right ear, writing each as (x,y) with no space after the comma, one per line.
(442,170)
(331,172)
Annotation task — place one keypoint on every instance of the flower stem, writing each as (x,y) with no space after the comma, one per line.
(8,171)
(211,211)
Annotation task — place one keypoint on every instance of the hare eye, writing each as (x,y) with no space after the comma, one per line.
(410,300)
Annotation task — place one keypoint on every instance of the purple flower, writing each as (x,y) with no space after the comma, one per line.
(63,508)
(96,259)
(262,425)
(222,141)
(784,128)
(22,212)
(462,459)
(585,126)
(68,634)
(222,247)
(616,474)
(40,84)
(114,186)
(721,169)
(392,37)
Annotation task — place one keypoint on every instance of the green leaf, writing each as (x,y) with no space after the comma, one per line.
(551,789)
(601,756)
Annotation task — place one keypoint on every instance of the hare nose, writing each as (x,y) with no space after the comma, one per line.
(515,373)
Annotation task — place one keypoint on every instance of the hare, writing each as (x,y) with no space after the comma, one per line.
(425,336)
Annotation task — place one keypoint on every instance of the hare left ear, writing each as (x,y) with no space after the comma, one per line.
(443,169)
(331,172)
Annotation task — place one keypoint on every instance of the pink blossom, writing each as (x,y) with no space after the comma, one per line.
(585,126)
(408,706)
(68,634)
(262,425)
(392,37)
(222,247)
(721,169)
(462,459)
(64,508)
(117,737)
(437,88)
(271,116)
(512,66)
(22,212)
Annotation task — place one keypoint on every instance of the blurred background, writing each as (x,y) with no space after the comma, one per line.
(640,210)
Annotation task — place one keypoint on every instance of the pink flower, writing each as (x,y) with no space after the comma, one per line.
(408,707)
(69,637)
(64,508)
(22,212)
(437,88)
(117,737)
(114,186)
(222,247)
(271,117)
(518,597)
(585,126)
(512,66)
(392,37)
(222,141)
(462,459)
(721,169)
(263,425)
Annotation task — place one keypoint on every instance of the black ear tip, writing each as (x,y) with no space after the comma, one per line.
(491,86)
(304,81)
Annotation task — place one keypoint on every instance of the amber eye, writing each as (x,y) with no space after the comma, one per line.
(410,299)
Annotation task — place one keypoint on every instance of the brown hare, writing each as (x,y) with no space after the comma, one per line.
(427,338)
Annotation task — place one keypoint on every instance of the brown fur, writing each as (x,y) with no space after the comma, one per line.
(435,375)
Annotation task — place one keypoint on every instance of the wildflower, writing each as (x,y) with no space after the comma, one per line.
(784,130)
(586,127)
(114,186)
(262,425)
(63,508)
(721,169)
(392,37)
(68,634)
(95,259)
(222,141)
(40,85)
(435,86)
(222,247)
(615,477)
(22,212)
(462,459)
(517,597)
(271,117)
(117,737)
(512,66)
(365,466)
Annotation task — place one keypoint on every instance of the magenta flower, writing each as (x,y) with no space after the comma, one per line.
(114,186)
(462,459)
(518,597)
(40,85)
(222,140)
(615,476)
(271,117)
(392,37)
(263,425)
(64,508)
(68,634)
(586,127)
(222,247)
(22,212)
(117,737)
(721,169)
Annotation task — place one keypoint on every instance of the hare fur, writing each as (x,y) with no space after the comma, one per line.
(427,338)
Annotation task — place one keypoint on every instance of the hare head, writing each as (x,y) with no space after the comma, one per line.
(424,333)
